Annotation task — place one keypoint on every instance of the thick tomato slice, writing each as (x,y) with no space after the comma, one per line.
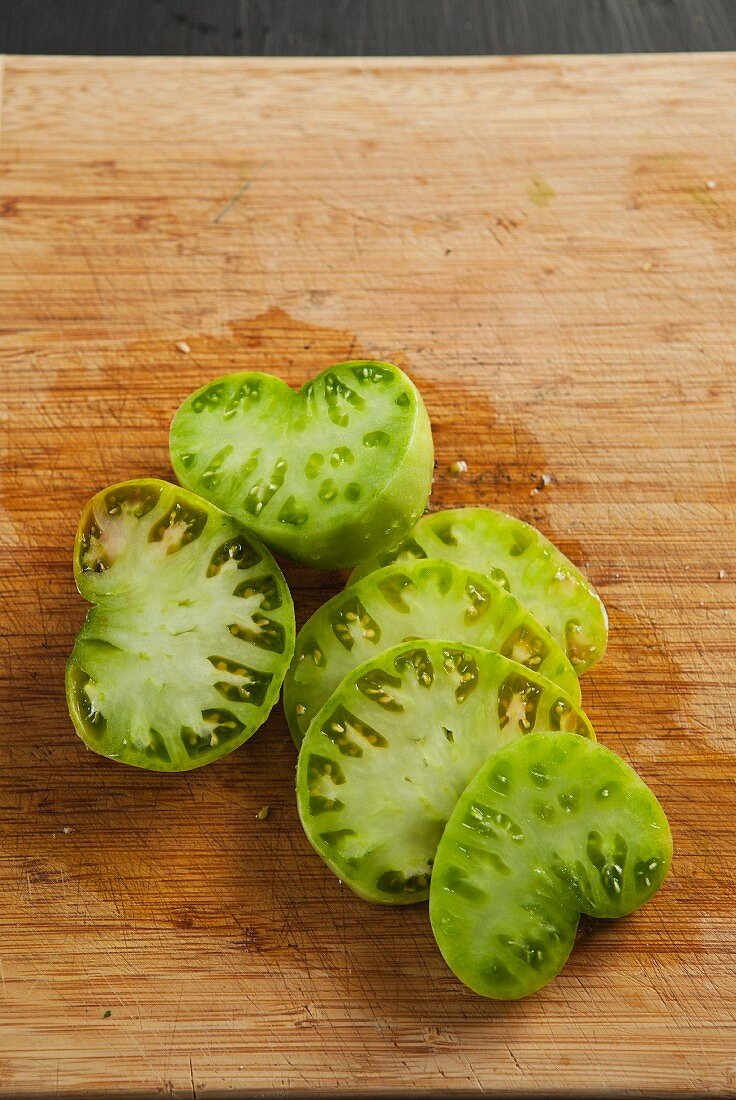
(386,758)
(521,560)
(421,599)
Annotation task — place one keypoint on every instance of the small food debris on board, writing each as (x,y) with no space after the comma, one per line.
(711,185)
(721,574)
(106,1015)
(67,829)
(542,481)
(459,466)
(263,813)
(183,347)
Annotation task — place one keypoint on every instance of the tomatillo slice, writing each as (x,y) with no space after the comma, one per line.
(423,599)
(521,560)
(551,827)
(385,760)
(182,655)
(327,475)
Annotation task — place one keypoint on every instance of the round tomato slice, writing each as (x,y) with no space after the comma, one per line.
(521,560)
(385,760)
(552,826)
(424,599)
(326,475)
(184,650)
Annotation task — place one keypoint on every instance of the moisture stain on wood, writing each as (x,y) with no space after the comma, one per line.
(502,456)
(702,194)
(540,191)
(681,184)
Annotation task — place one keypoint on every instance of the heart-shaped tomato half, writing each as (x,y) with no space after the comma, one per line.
(328,475)
(550,827)
(191,631)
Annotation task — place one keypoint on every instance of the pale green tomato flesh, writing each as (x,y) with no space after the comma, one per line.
(385,760)
(521,560)
(424,599)
(183,653)
(327,475)
(552,826)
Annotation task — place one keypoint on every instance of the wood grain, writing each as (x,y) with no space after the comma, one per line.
(538,244)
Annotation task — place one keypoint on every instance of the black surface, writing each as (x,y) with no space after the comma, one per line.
(364,27)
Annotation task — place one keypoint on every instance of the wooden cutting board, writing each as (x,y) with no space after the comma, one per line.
(548,247)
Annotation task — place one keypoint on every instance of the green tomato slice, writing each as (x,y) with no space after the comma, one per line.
(327,475)
(521,560)
(182,655)
(551,827)
(385,760)
(423,599)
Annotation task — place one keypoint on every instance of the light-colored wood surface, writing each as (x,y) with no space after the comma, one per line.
(537,242)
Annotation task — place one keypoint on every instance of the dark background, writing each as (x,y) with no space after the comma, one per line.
(295,27)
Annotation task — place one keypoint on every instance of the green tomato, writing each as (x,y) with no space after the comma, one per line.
(551,827)
(327,475)
(183,652)
(521,560)
(422,599)
(385,760)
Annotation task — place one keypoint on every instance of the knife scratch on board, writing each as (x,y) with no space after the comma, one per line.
(231,203)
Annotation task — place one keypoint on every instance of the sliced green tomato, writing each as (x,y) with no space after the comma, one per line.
(521,560)
(551,827)
(182,655)
(385,760)
(418,600)
(326,475)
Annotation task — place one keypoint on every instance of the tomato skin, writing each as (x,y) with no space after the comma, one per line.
(385,759)
(183,651)
(326,475)
(414,599)
(550,827)
(523,561)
